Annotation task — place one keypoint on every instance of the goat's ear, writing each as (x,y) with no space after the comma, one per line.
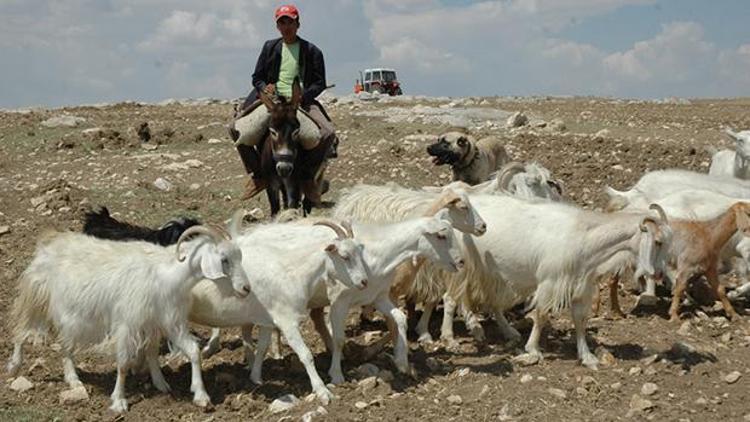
(646,250)
(444,214)
(332,248)
(211,264)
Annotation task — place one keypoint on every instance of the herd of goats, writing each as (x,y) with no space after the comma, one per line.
(477,248)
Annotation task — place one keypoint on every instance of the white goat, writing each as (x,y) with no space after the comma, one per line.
(131,293)
(530,180)
(733,163)
(379,204)
(656,185)
(286,272)
(386,246)
(554,251)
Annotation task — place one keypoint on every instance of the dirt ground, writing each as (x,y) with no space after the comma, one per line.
(48,175)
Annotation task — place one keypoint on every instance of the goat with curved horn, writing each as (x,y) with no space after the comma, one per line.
(347,225)
(334,226)
(208,231)
(508,171)
(660,210)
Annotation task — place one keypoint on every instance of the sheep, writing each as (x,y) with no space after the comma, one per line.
(393,203)
(733,163)
(695,252)
(286,271)
(131,293)
(656,185)
(100,224)
(386,247)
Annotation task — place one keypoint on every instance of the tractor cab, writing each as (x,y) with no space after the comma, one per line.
(380,80)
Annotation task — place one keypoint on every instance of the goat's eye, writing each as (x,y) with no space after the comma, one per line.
(441,236)
(225,262)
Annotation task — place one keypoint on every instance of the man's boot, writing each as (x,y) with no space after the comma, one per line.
(251,160)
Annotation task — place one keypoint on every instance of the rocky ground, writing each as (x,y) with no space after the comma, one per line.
(56,163)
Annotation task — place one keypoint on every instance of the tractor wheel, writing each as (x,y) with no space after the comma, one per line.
(399,92)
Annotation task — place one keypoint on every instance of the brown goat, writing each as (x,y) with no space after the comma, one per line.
(695,252)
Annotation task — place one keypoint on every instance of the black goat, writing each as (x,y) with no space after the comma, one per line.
(100,224)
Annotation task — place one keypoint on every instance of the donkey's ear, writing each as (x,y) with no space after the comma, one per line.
(296,93)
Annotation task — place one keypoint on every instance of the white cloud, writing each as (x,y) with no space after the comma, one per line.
(677,53)
(183,29)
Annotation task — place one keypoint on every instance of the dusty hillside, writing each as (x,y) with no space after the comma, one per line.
(49,174)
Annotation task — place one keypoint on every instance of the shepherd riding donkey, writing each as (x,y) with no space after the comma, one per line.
(283,148)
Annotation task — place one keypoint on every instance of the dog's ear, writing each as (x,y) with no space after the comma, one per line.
(462,141)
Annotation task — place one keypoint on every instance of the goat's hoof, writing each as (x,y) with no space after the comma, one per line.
(202,400)
(451,344)
(425,339)
(591,362)
(674,319)
(119,405)
(528,359)
(12,368)
(337,379)
(257,380)
(324,395)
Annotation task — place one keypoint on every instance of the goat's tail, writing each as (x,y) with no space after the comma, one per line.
(29,314)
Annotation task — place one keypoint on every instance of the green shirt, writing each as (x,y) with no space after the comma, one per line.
(289,70)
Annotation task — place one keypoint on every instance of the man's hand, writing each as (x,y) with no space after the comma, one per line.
(269,89)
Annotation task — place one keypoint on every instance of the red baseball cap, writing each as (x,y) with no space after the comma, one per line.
(288,10)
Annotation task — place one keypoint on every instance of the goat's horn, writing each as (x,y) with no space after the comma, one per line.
(660,210)
(221,230)
(348,228)
(508,171)
(335,227)
(643,224)
(557,185)
(208,231)
(235,223)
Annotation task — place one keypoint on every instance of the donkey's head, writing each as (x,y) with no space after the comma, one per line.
(283,135)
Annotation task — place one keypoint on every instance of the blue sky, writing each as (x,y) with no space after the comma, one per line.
(67,52)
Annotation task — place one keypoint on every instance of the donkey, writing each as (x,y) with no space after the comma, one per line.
(291,170)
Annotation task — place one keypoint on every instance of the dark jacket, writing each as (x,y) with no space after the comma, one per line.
(311,64)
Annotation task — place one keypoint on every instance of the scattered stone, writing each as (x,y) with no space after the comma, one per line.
(163,184)
(283,403)
(684,329)
(527,359)
(4,230)
(368,370)
(525,378)
(650,359)
(360,405)
(725,338)
(636,370)
(557,125)
(701,401)
(150,147)
(214,141)
(74,395)
(616,386)
(557,393)
(601,135)
(463,372)
(257,214)
(455,399)
(733,377)
(21,384)
(517,119)
(606,358)
(639,404)
(588,381)
(309,416)
(368,383)
(195,186)
(65,121)
(681,349)
(485,390)
(649,389)
(37,201)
